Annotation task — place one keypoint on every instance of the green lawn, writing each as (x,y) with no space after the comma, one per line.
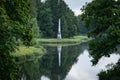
(23,50)
(73,40)
(24,53)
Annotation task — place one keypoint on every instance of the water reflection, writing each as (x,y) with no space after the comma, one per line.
(65,63)
(44,78)
(9,70)
(83,69)
(54,65)
(59,61)
(59,48)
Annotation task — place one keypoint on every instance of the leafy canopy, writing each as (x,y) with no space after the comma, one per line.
(14,26)
(104,16)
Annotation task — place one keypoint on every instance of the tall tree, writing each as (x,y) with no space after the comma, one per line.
(45,21)
(71,21)
(33,19)
(14,25)
(104,15)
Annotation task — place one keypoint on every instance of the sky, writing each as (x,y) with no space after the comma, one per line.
(76,5)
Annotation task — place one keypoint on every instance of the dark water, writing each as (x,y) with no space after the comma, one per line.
(65,63)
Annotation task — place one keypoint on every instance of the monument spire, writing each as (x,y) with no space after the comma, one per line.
(59,24)
(59,30)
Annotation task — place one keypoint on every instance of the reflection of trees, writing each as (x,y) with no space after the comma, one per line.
(99,48)
(30,70)
(111,74)
(9,70)
(49,66)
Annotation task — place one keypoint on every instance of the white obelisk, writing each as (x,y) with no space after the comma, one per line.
(59,30)
(59,25)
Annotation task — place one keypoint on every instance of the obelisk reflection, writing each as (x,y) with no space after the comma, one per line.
(59,48)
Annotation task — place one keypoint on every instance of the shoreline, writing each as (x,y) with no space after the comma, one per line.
(64,41)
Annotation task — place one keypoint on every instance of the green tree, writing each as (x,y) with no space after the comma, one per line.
(33,13)
(104,15)
(71,25)
(82,29)
(45,21)
(14,25)
(53,5)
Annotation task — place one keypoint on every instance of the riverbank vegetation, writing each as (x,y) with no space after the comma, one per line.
(24,53)
(73,40)
(23,50)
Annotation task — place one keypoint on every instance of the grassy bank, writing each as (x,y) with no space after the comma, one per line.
(64,41)
(24,53)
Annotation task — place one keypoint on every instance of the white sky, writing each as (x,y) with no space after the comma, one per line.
(76,5)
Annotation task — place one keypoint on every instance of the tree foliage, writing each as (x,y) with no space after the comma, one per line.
(33,8)
(45,20)
(104,15)
(14,23)
(49,14)
(14,26)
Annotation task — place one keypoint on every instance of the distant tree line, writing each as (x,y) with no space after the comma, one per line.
(45,16)
(49,13)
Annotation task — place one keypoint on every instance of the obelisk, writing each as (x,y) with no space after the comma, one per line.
(59,30)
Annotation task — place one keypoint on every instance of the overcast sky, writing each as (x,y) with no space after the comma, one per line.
(76,5)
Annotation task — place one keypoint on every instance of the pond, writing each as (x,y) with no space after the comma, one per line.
(65,63)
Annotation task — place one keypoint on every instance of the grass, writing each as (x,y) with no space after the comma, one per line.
(24,53)
(60,44)
(64,41)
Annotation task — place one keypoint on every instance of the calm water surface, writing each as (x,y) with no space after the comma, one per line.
(65,63)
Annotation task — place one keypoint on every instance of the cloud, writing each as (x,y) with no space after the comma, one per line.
(77,11)
(76,5)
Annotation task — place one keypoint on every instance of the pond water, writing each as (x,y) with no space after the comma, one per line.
(65,63)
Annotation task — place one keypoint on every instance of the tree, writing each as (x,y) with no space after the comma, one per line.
(71,25)
(33,19)
(14,25)
(104,15)
(45,21)
(36,30)
(82,29)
